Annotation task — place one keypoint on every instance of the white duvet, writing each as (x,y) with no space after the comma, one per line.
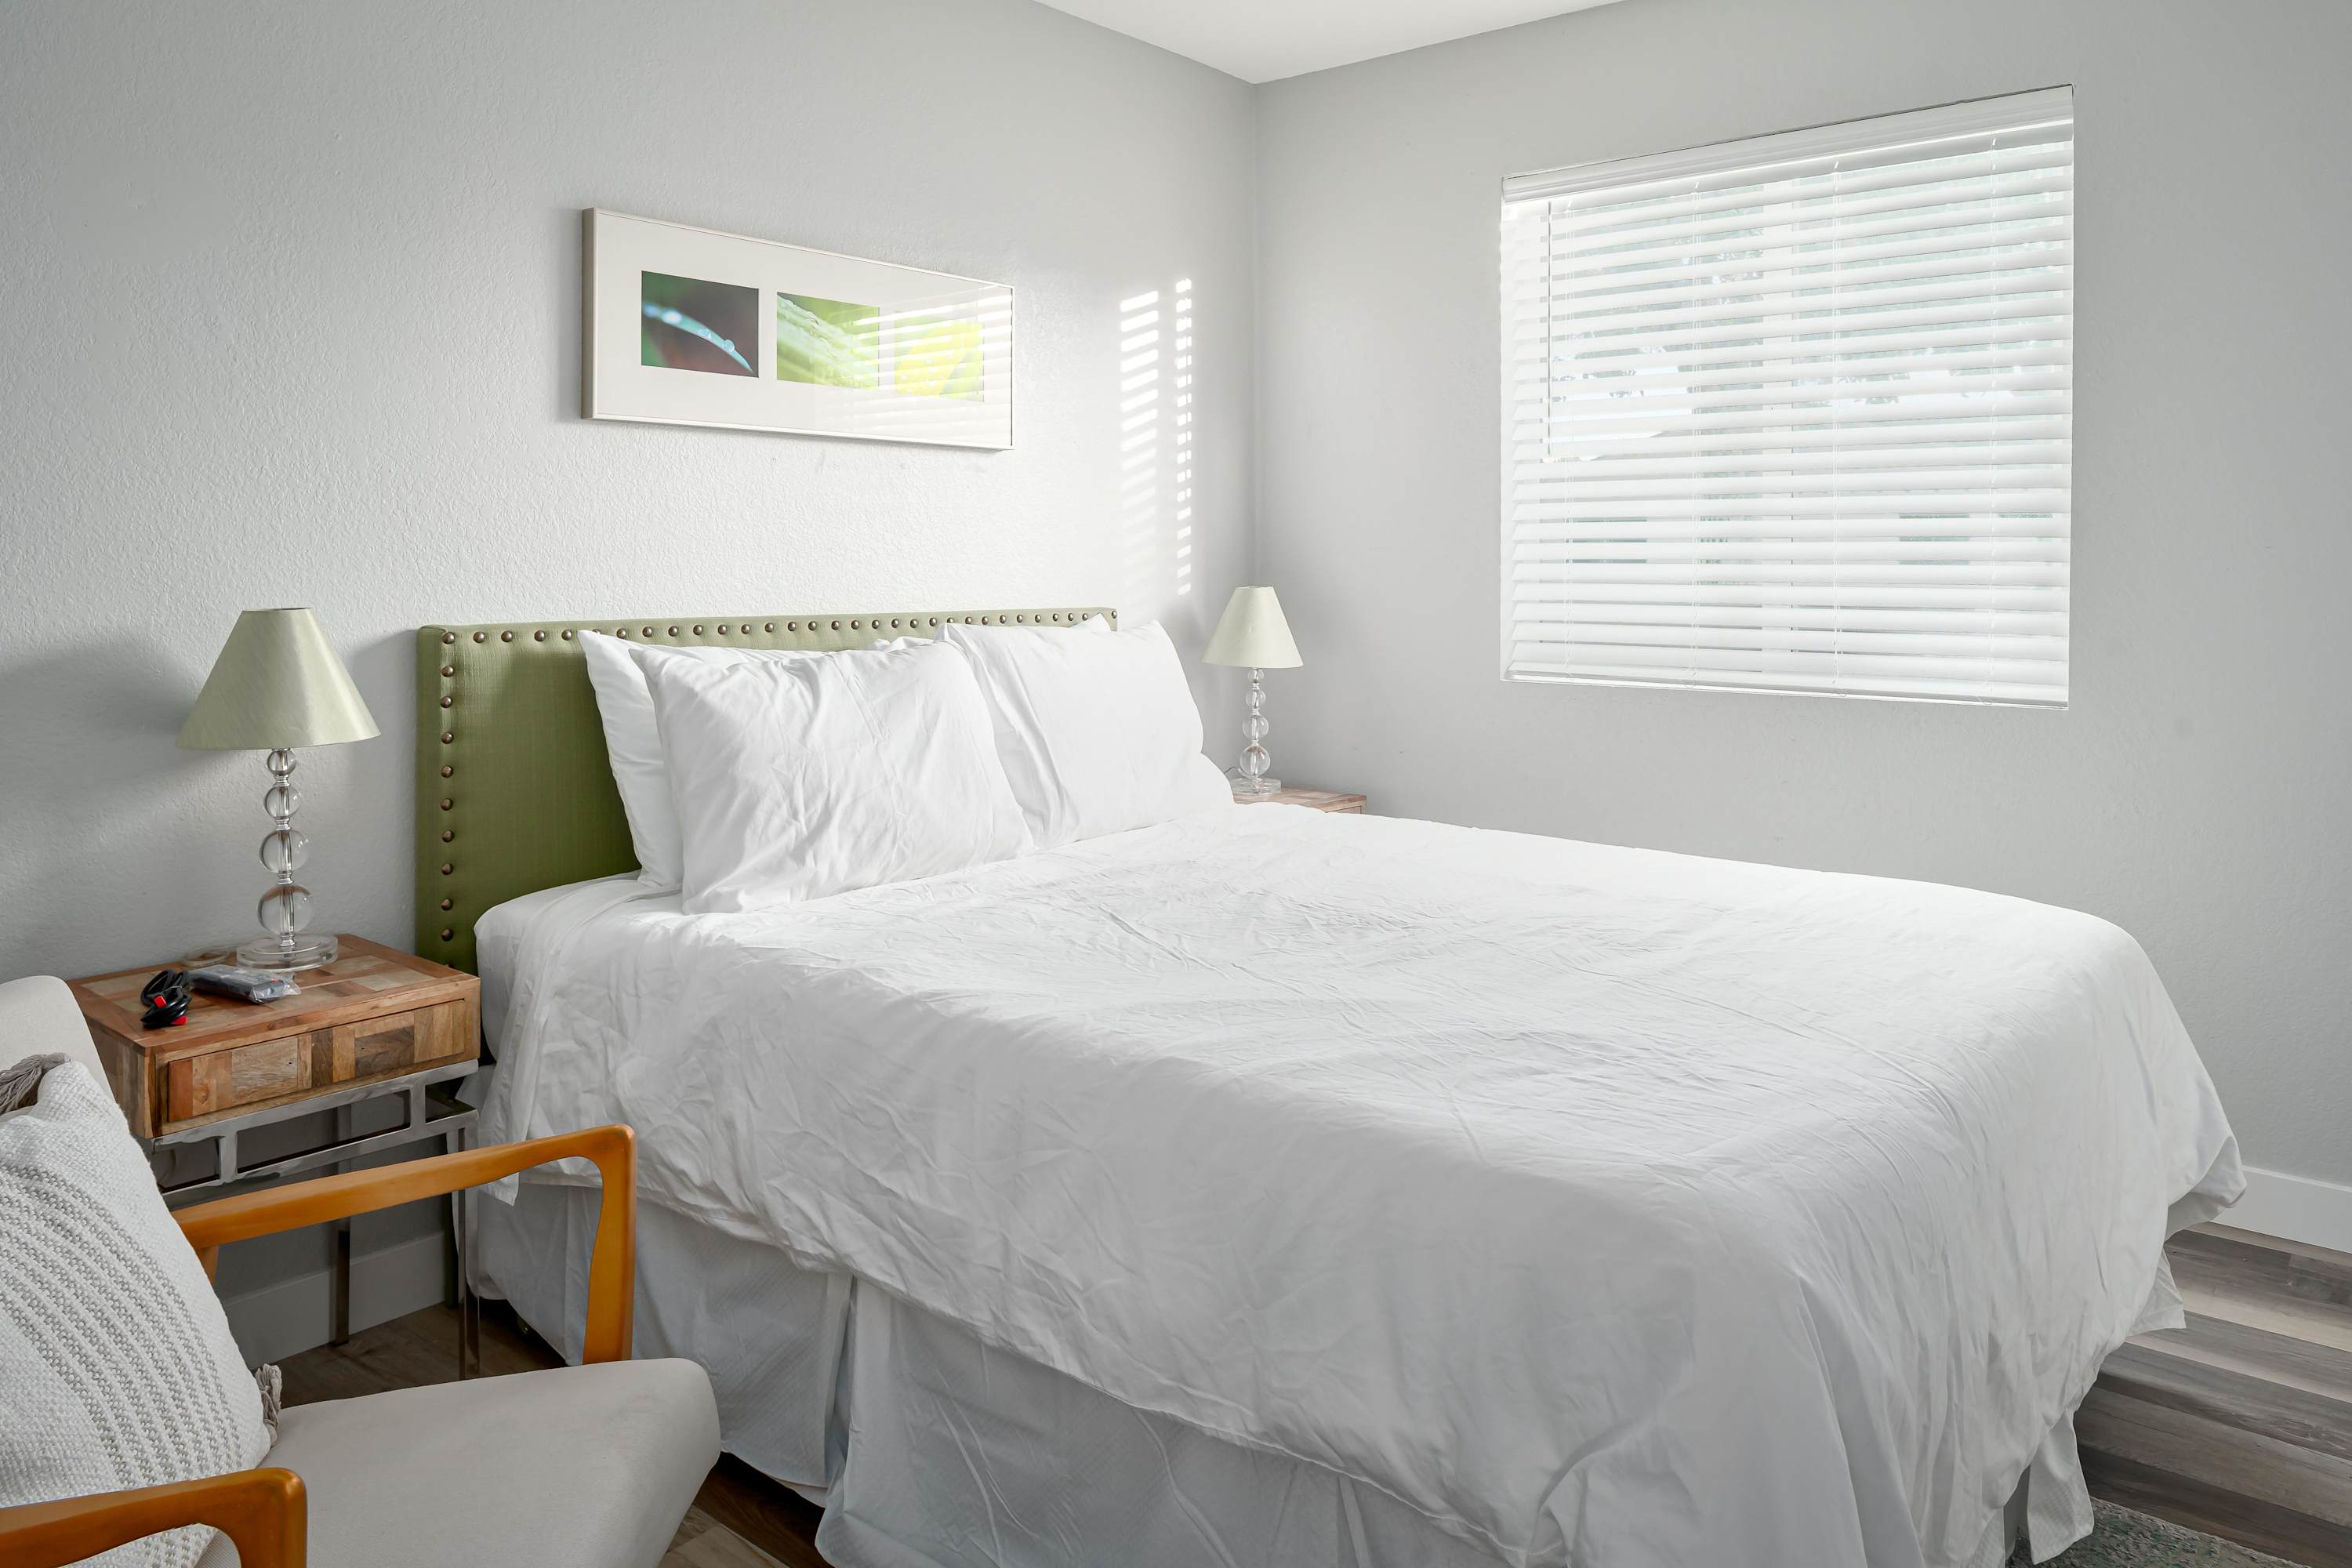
(1610,1207)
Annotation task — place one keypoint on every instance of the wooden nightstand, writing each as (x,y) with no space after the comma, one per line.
(1313,799)
(377,1024)
(372,1016)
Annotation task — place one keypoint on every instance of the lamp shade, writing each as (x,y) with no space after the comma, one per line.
(1252,634)
(276,683)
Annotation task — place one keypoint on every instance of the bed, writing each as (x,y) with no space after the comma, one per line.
(1272,1187)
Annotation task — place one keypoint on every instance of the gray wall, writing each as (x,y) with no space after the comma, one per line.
(293,295)
(294,304)
(2194,793)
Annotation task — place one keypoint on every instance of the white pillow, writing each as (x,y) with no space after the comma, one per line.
(116,1368)
(1098,730)
(798,776)
(632,744)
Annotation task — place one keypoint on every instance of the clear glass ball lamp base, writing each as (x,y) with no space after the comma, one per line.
(1252,778)
(285,906)
(310,950)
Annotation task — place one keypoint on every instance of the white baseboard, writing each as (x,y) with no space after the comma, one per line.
(295,1315)
(2294,1208)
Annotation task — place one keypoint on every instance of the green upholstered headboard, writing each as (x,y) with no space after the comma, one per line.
(513,792)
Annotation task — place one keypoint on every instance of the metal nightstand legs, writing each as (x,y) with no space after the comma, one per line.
(339,1330)
(429,1113)
(461,1247)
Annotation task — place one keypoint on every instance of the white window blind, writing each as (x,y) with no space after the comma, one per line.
(1794,414)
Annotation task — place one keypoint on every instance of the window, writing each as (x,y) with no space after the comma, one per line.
(1794,414)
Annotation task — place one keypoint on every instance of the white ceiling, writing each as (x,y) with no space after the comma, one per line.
(1264,40)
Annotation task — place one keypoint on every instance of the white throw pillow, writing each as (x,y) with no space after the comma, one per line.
(800,775)
(633,745)
(1098,730)
(116,1368)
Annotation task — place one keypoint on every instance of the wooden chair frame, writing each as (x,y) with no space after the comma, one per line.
(265,1511)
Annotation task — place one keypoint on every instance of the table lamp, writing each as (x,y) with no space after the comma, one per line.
(277,685)
(1253,634)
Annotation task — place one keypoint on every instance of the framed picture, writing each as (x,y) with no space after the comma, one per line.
(689,326)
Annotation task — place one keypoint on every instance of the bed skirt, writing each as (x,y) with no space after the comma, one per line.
(928,1447)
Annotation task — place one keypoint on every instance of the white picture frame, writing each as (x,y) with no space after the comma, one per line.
(694,326)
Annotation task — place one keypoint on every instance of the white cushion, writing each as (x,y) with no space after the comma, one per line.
(116,1368)
(1098,730)
(797,776)
(633,745)
(38,1018)
(588,1466)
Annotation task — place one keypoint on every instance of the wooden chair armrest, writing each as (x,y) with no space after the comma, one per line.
(611,1268)
(264,1511)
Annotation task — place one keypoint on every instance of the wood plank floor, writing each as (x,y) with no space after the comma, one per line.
(2239,1425)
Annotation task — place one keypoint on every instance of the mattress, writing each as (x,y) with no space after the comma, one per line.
(1581,1201)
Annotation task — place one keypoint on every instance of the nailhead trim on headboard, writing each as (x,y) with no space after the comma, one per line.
(513,791)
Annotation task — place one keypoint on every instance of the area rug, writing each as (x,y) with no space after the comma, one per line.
(2123,1539)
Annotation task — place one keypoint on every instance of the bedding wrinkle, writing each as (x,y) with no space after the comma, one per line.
(1600,1206)
(1204,1529)
(973,1454)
